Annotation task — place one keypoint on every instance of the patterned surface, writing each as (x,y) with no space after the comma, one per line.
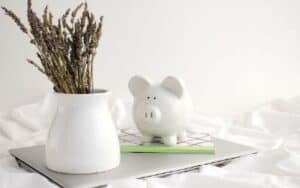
(131,136)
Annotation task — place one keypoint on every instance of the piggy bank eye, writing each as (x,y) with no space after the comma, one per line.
(148,97)
(154,98)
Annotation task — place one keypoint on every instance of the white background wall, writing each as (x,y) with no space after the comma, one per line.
(233,54)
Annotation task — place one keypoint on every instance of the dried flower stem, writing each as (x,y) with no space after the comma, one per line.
(66,49)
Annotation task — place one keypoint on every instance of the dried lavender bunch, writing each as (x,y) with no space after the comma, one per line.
(66,48)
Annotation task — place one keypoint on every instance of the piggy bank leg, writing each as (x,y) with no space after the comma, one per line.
(182,135)
(146,139)
(170,140)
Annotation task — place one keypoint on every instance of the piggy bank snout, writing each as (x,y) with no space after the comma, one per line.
(150,114)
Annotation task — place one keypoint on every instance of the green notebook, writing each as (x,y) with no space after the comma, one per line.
(193,143)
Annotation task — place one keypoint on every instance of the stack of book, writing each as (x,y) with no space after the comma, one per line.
(193,143)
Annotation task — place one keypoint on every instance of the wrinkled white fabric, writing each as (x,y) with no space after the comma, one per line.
(274,129)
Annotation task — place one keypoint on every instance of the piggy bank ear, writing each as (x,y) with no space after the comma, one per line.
(173,85)
(137,84)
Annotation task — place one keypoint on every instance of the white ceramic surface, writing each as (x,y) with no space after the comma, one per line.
(82,138)
(162,110)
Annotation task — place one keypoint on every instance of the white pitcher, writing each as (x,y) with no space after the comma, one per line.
(82,138)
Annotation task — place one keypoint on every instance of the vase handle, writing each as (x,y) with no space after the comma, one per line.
(118,112)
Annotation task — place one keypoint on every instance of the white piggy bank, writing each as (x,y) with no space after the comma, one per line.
(162,110)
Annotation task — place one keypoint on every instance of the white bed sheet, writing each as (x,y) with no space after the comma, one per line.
(274,129)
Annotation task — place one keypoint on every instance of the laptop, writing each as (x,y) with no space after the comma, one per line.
(133,165)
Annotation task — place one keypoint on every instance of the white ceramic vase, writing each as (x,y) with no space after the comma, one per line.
(82,138)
